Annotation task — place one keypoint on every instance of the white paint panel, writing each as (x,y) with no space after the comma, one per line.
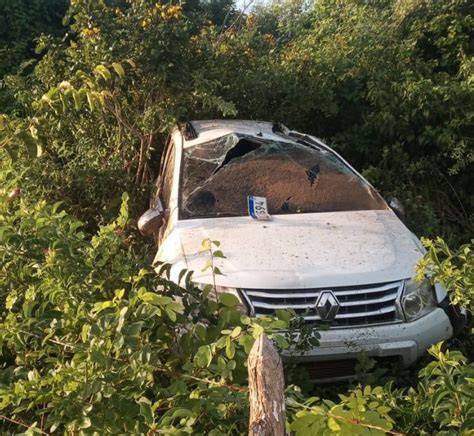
(299,251)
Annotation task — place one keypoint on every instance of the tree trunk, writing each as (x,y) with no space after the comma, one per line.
(266,390)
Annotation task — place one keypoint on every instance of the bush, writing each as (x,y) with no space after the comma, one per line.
(453,269)
(93,340)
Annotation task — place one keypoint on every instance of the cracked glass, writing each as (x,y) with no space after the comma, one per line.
(218,175)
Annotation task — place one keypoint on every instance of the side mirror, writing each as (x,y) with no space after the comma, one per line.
(150,222)
(397,207)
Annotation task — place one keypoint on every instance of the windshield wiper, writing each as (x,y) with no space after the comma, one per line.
(228,214)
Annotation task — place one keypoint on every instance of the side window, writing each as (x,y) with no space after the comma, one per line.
(166,178)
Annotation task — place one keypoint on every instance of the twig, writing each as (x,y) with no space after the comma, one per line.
(234,22)
(351,421)
(455,194)
(234,388)
(21,424)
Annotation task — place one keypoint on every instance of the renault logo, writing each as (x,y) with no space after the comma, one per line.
(327,305)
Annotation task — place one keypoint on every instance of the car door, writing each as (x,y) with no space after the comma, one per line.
(164,185)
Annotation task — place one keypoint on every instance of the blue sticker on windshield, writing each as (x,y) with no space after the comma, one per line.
(258,208)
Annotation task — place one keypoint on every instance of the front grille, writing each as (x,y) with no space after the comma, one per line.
(359,305)
(329,369)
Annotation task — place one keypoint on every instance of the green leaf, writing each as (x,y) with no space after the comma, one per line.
(221,342)
(64,102)
(201,331)
(155,299)
(383,410)
(281,341)
(85,332)
(229,300)
(333,425)
(171,314)
(84,422)
(257,330)
(98,357)
(230,348)
(90,101)
(247,342)
(181,413)
(219,253)
(306,424)
(78,97)
(146,411)
(203,356)
(118,69)
(245,320)
(12,151)
(119,293)
(236,332)
(283,315)
(33,429)
(102,305)
(103,71)
(134,329)
(217,271)
(205,245)
(175,306)
(279,324)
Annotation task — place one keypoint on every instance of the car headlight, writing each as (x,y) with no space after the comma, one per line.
(213,294)
(418,299)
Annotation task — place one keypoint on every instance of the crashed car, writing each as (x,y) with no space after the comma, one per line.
(323,243)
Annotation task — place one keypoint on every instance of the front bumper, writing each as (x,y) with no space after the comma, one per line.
(408,341)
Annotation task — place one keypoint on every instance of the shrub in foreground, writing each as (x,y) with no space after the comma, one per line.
(92,340)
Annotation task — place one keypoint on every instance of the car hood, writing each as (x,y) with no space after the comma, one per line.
(302,251)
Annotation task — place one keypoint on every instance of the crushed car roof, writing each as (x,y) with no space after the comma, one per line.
(207,130)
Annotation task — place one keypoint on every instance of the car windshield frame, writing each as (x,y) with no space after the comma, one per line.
(297,143)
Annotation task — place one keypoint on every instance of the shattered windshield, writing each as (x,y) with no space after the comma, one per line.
(217,177)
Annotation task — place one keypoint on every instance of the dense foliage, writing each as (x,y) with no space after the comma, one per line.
(387,83)
(20,23)
(91,338)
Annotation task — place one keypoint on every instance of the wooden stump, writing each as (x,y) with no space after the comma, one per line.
(266,390)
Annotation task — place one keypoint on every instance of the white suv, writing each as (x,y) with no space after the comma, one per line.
(333,250)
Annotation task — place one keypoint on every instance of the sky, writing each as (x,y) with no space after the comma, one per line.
(241,4)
